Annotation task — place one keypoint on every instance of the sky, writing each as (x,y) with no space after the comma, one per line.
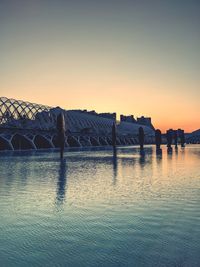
(135,57)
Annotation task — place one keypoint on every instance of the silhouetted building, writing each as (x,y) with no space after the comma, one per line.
(145,121)
(129,118)
(111,116)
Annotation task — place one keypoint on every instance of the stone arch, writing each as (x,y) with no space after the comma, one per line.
(5,144)
(21,142)
(42,142)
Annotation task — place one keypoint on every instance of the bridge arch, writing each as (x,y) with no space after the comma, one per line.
(109,141)
(55,141)
(85,141)
(122,141)
(94,141)
(21,142)
(118,141)
(41,141)
(127,141)
(5,144)
(102,141)
(73,142)
(132,141)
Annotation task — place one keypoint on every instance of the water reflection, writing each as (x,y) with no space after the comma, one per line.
(61,184)
(111,200)
(169,154)
(114,166)
(158,151)
(169,150)
(142,159)
(146,157)
(158,157)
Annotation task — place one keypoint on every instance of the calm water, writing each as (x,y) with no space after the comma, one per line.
(96,210)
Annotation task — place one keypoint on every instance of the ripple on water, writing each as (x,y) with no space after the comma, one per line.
(91,210)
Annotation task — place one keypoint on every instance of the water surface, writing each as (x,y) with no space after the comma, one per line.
(96,209)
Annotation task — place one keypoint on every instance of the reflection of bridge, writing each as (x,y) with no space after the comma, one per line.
(25,125)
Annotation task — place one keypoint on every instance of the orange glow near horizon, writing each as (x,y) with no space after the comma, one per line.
(166,111)
(128,57)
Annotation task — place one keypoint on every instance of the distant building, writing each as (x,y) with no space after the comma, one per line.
(129,118)
(107,115)
(111,116)
(145,121)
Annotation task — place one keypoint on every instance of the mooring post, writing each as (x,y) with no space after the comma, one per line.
(114,136)
(175,139)
(141,138)
(61,133)
(169,139)
(182,137)
(158,140)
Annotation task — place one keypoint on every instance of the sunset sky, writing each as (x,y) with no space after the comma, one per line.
(130,57)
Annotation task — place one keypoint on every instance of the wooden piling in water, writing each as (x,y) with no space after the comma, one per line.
(141,138)
(158,140)
(61,133)
(175,139)
(169,139)
(114,136)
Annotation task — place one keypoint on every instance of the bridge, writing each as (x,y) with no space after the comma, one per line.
(25,125)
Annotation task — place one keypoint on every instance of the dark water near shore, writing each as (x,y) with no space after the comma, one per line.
(95,210)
